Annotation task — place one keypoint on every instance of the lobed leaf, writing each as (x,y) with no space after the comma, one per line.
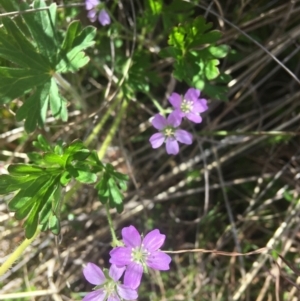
(71,56)
(33,43)
(14,82)
(211,69)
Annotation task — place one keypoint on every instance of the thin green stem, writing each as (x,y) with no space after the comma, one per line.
(115,242)
(112,130)
(17,253)
(100,124)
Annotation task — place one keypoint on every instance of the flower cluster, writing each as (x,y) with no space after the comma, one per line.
(190,106)
(133,258)
(94,8)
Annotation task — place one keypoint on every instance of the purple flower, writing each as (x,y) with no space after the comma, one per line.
(107,288)
(189,106)
(138,254)
(93,7)
(169,133)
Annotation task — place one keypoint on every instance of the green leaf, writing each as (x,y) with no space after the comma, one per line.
(120,176)
(34,157)
(116,197)
(86,177)
(15,43)
(45,214)
(33,43)
(25,169)
(57,102)
(42,27)
(193,34)
(58,149)
(177,37)
(208,38)
(54,224)
(25,197)
(109,187)
(54,159)
(94,159)
(76,151)
(102,188)
(211,71)
(82,173)
(41,199)
(219,51)
(34,109)
(123,185)
(42,143)
(31,223)
(9,183)
(15,81)
(156,6)
(65,178)
(71,56)
(192,46)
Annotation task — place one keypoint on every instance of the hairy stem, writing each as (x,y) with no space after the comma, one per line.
(17,253)
(115,241)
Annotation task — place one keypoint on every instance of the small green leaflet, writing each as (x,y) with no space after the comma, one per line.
(38,53)
(193,47)
(110,188)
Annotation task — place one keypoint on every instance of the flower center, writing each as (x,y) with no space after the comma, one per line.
(139,254)
(169,131)
(186,106)
(110,287)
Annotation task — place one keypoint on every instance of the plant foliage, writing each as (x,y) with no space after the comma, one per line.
(38,184)
(193,46)
(38,53)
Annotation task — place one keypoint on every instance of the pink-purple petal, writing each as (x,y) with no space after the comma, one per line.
(116,272)
(159,122)
(154,240)
(200,106)
(157,140)
(131,237)
(184,136)
(93,274)
(113,297)
(175,100)
(194,117)
(92,15)
(133,275)
(174,119)
(98,295)
(192,94)
(178,115)
(120,256)
(172,146)
(127,293)
(104,18)
(90,4)
(159,261)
